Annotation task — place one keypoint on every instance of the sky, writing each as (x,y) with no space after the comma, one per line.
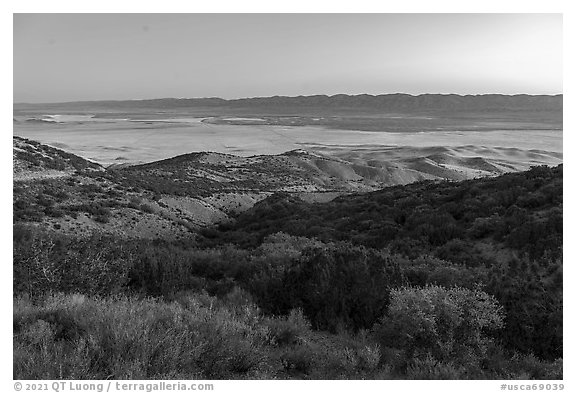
(76,57)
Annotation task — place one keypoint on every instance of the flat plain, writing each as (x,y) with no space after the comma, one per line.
(129,138)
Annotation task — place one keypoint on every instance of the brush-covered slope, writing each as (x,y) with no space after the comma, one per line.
(33,160)
(350,296)
(504,234)
(522,210)
(58,191)
(170,198)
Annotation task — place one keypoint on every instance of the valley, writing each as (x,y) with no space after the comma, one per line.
(274,248)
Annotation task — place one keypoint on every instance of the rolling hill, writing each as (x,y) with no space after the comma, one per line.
(315,269)
(171,197)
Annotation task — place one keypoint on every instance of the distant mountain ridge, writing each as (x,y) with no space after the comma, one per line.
(388,102)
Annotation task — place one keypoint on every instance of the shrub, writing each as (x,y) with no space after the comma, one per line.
(164,269)
(338,287)
(289,330)
(44,263)
(484,226)
(298,359)
(101,218)
(74,337)
(446,322)
(502,364)
(54,212)
(146,208)
(369,357)
(431,270)
(430,368)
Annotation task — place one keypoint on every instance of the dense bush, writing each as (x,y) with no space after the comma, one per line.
(44,263)
(193,337)
(163,269)
(446,323)
(201,337)
(485,228)
(532,295)
(420,218)
(451,280)
(290,329)
(338,287)
(74,337)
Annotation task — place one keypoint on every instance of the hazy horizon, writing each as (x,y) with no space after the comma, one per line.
(86,57)
(277,95)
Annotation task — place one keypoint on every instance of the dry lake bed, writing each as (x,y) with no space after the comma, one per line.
(125,141)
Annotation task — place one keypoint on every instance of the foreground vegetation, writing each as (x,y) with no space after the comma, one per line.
(197,336)
(504,233)
(428,281)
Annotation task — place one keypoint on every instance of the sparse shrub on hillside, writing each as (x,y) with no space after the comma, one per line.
(25,210)
(53,187)
(114,193)
(97,210)
(146,208)
(180,183)
(33,159)
(56,163)
(54,212)
(102,218)
(44,201)
(91,188)
(44,263)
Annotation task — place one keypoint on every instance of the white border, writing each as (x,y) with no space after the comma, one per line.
(307,6)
